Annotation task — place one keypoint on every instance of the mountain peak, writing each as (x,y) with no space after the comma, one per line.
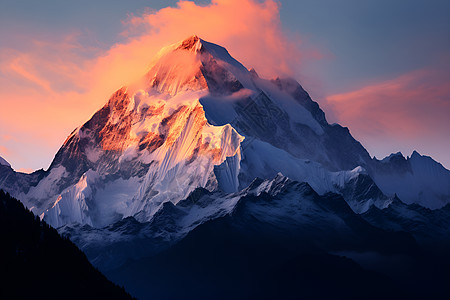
(415,154)
(195,64)
(192,43)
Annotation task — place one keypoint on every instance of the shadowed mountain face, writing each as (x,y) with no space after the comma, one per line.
(216,261)
(37,263)
(278,246)
(202,140)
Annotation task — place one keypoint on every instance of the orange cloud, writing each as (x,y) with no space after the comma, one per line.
(249,29)
(54,86)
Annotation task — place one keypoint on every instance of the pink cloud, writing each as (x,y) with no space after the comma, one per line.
(412,109)
(413,104)
(4,151)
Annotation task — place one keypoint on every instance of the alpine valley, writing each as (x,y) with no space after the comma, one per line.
(204,181)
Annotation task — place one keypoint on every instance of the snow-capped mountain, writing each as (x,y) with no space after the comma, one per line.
(200,121)
(415,179)
(184,126)
(201,142)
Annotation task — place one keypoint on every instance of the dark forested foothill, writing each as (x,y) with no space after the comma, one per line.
(37,263)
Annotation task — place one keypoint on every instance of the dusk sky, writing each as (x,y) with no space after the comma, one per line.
(380,67)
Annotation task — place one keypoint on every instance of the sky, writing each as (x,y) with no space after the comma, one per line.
(379,67)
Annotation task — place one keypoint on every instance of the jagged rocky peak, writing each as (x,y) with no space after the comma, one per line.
(395,162)
(192,43)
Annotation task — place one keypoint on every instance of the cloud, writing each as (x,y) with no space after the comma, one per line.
(413,104)
(4,151)
(412,109)
(251,31)
(53,84)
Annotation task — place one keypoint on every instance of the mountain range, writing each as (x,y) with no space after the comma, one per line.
(202,153)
